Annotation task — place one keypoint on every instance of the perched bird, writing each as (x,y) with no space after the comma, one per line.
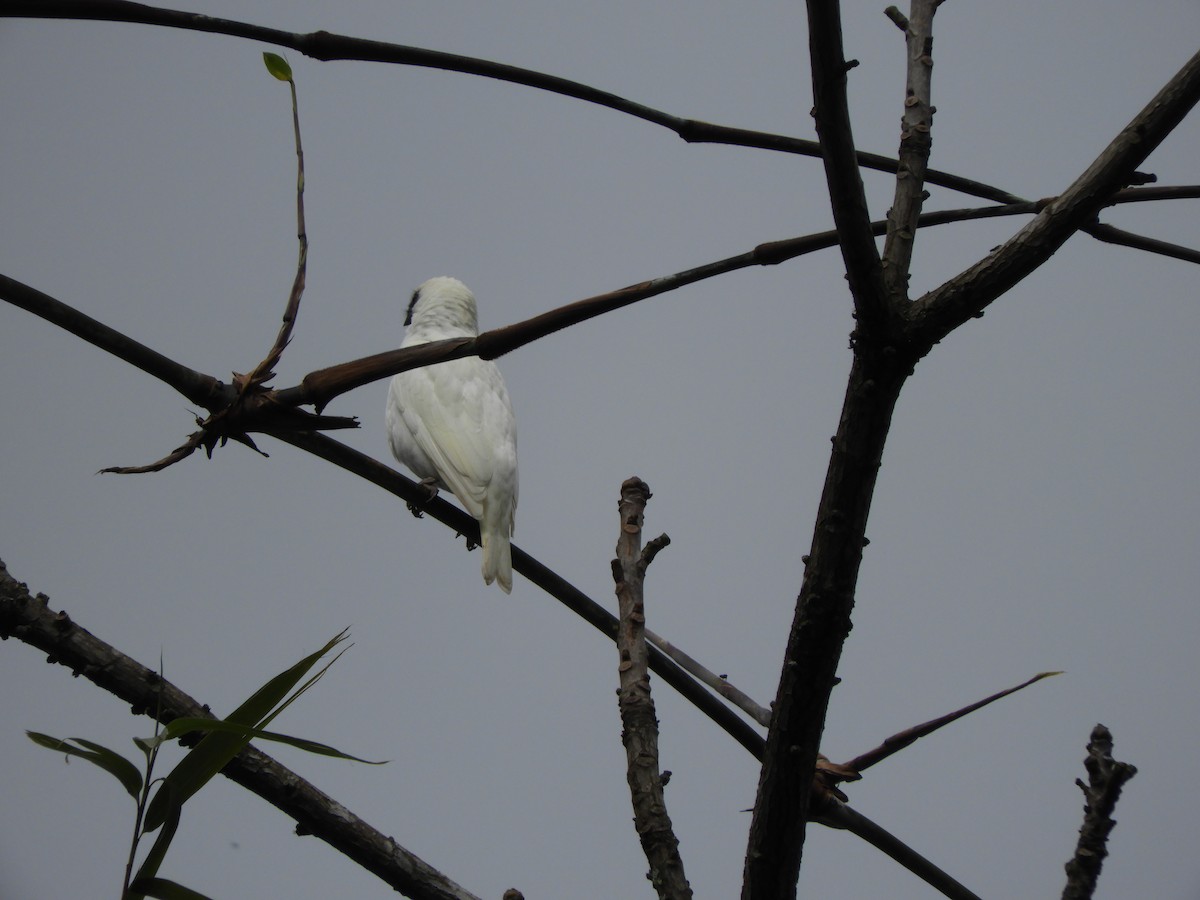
(452,423)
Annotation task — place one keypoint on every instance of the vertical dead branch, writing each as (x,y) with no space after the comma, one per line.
(1106,777)
(915,143)
(639,733)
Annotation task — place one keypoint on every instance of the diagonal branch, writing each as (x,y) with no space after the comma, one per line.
(898,742)
(553,584)
(198,388)
(942,310)
(30,620)
(327,46)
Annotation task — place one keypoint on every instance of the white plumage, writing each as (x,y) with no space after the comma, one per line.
(452,423)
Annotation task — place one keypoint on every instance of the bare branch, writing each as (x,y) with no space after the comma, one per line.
(691,130)
(718,683)
(553,584)
(326,46)
(1121,237)
(915,143)
(937,313)
(832,812)
(822,619)
(30,620)
(639,733)
(201,389)
(898,742)
(1106,778)
(831,113)
(898,18)
(182,452)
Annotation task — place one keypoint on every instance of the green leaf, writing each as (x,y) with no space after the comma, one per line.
(162,843)
(165,890)
(182,726)
(108,760)
(217,748)
(277,66)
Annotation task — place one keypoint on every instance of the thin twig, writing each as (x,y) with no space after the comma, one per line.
(263,373)
(718,683)
(898,742)
(639,732)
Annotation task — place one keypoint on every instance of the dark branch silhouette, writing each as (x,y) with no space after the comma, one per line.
(891,336)
(943,309)
(323,45)
(885,354)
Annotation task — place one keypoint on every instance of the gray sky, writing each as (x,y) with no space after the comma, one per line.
(1036,510)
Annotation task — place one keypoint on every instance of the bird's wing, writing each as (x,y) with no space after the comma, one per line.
(460,415)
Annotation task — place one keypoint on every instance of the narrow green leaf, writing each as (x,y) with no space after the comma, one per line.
(217,748)
(277,66)
(163,889)
(162,843)
(108,760)
(183,726)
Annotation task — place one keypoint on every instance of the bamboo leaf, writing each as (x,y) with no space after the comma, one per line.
(108,760)
(217,748)
(182,726)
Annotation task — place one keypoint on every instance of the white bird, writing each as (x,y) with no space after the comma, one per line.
(452,422)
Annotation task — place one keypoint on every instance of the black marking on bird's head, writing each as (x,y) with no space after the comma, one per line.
(411,304)
(442,307)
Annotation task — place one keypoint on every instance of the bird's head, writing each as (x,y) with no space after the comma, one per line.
(443,305)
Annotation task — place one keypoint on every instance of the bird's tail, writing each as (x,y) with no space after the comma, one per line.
(497,557)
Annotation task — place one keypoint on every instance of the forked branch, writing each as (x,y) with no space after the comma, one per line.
(639,732)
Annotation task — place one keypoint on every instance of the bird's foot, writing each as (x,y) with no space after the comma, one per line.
(430,484)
